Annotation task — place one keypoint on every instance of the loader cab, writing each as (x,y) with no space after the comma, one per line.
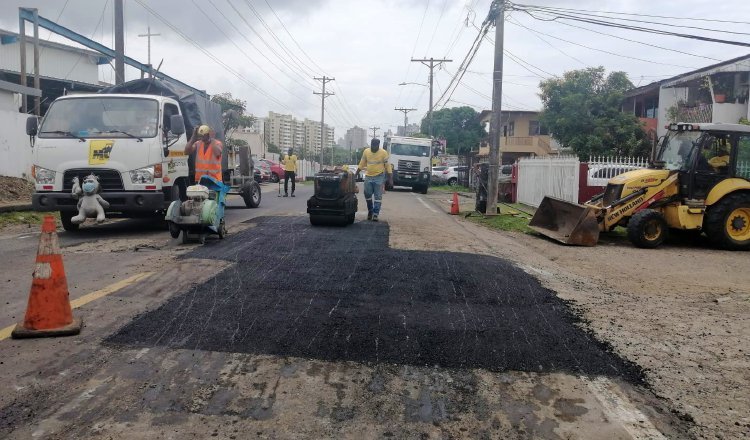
(704,158)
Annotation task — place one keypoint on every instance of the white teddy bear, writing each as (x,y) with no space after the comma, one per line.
(90,203)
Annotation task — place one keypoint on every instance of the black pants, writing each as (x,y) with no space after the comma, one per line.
(289,175)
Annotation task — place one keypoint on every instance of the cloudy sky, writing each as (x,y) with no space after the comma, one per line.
(267,51)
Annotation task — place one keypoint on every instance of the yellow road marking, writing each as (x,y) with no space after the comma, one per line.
(85,299)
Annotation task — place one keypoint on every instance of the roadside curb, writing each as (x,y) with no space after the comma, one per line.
(15,208)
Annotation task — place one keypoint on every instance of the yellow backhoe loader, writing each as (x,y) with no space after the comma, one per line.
(698,181)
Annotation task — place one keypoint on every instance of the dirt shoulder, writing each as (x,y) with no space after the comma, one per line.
(681,312)
(15,191)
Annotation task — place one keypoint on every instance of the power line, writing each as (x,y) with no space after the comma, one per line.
(584,14)
(521,8)
(414,49)
(656,16)
(209,54)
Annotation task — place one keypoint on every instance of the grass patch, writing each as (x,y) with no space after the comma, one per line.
(25,218)
(509,219)
(448,188)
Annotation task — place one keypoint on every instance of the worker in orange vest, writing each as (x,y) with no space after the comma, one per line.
(208,153)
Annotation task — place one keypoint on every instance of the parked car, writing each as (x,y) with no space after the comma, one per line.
(275,170)
(264,169)
(438,170)
(450,174)
(599,175)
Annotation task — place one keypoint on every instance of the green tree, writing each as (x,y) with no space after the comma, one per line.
(233,113)
(273,148)
(582,111)
(458,125)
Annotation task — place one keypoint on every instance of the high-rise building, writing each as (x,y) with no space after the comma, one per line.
(411,129)
(355,138)
(285,131)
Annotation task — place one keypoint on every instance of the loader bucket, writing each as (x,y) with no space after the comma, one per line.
(566,222)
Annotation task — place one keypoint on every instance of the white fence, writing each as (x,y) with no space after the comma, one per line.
(601,169)
(545,176)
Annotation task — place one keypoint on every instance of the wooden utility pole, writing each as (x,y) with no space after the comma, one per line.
(431,63)
(406,120)
(148,36)
(323,96)
(374,131)
(119,43)
(497,10)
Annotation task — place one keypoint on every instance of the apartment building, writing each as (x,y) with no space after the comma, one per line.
(286,131)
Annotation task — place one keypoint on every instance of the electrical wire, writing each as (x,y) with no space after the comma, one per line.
(555,17)
(655,16)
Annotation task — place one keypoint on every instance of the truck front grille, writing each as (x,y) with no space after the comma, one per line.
(109,180)
(408,166)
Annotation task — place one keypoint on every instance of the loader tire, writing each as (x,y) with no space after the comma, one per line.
(727,223)
(647,229)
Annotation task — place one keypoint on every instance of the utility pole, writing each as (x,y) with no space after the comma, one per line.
(374,131)
(431,63)
(323,96)
(405,110)
(148,36)
(119,44)
(497,9)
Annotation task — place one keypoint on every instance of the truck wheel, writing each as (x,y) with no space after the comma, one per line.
(274,177)
(423,189)
(251,195)
(647,229)
(727,223)
(66,223)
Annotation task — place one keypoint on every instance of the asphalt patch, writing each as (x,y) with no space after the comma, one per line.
(340,293)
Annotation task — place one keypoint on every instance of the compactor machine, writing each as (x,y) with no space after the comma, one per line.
(698,180)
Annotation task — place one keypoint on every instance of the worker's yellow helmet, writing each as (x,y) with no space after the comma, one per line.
(204,130)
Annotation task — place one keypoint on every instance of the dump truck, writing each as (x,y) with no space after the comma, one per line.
(698,180)
(131,136)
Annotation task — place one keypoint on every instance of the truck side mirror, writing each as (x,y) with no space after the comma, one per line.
(32,125)
(177,124)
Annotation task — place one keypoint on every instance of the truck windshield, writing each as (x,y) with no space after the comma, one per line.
(410,150)
(676,148)
(105,117)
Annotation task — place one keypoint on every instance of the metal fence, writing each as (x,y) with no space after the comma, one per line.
(466,162)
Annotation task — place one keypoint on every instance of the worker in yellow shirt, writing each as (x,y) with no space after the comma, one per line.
(290,171)
(375,161)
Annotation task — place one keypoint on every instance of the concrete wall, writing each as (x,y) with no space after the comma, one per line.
(667,98)
(15,150)
(729,113)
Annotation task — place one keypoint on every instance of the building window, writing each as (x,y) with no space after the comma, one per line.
(536,129)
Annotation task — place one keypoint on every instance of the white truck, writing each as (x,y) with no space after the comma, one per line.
(411,159)
(133,142)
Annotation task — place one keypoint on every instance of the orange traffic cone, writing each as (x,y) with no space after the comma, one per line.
(48,312)
(454,204)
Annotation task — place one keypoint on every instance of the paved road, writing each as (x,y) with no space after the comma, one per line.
(284,330)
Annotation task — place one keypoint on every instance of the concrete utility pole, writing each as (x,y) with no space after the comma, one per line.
(498,11)
(148,36)
(431,63)
(374,132)
(406,120)
(119,44)
(323,96)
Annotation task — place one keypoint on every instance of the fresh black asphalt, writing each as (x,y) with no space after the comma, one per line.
(340,293)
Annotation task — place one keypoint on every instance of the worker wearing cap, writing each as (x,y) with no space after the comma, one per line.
(290,171)
(208,152)
(375,161)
